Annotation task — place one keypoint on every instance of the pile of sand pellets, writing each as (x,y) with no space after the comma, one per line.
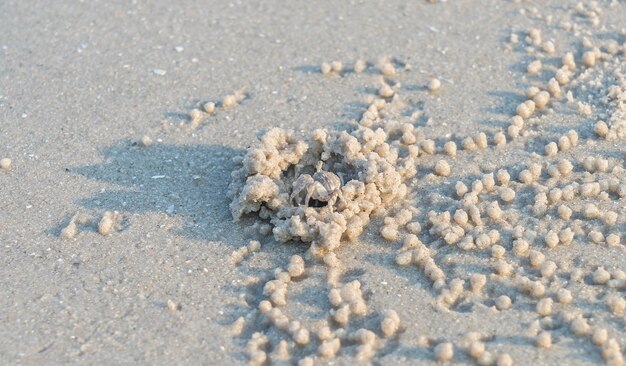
(322,188)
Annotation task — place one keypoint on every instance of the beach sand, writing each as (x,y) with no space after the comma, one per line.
(81,83)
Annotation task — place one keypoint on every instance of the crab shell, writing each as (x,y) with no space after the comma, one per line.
(325,186)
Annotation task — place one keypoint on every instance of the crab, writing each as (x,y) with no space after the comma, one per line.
(323,187)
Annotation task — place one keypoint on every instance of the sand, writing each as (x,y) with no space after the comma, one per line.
(81,83)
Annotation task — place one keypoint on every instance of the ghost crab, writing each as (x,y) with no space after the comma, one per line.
(323,187)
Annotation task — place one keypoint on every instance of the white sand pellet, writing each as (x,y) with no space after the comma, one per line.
(5,164)
(503,302)
(442,168)
(434,85)
(444,352)
(544,340)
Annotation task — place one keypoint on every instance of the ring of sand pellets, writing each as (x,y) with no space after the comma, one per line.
(285,180)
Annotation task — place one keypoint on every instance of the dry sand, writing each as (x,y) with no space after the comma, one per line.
(81,83)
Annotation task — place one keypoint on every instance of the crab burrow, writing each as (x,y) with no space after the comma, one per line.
(324,187)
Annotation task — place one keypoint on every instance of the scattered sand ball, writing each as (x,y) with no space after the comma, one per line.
(306,361)
(301,337)
(534,37)
(325,68)
(566,236)
(577,275)
(69,231)
(551,239)
(612,354)
(541,99)
(238,255)
(172,305)
(555,195)
(616,304)
(444,352)
(526,177)
(525,109)
(336,66)
(296,266)
(504,359)
(359,66)
(536,258)
(442,168)
(601,276)
(404,258)
(517,121)
(537,289)
(601,129)
(591,211)
(564,212)
(521,247)
(480,140)
(551,149)
(280,352)
(547,269)
(195,116)
(503,302)
(548,47)
(486,359)
(209,107)
(565,167)
(489,182)
(562,76)
(513,132)
(613,239)
(386,91)
(145,141)
(469,144)
(434,85)
(329,348)
(610,218)
(254,245)
(544,340)
(237,326)
(331,260)
(229,101)
(414,227)
(503,177)
(460,189)
(390,323)
(449,148)
(596,236)
(232,100)
(589,58)
(497,251)
(507,195)
(564,296)
(265,306)
(534,68)
(532,91)
(477,282)
(568,61)
(554,88)
(580,327)
(476,349)
(477,186)
(499,139)
(389,232)
(428,146)
(544,306)
(503,268)
(107,223)
(599,336)
(5,164)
